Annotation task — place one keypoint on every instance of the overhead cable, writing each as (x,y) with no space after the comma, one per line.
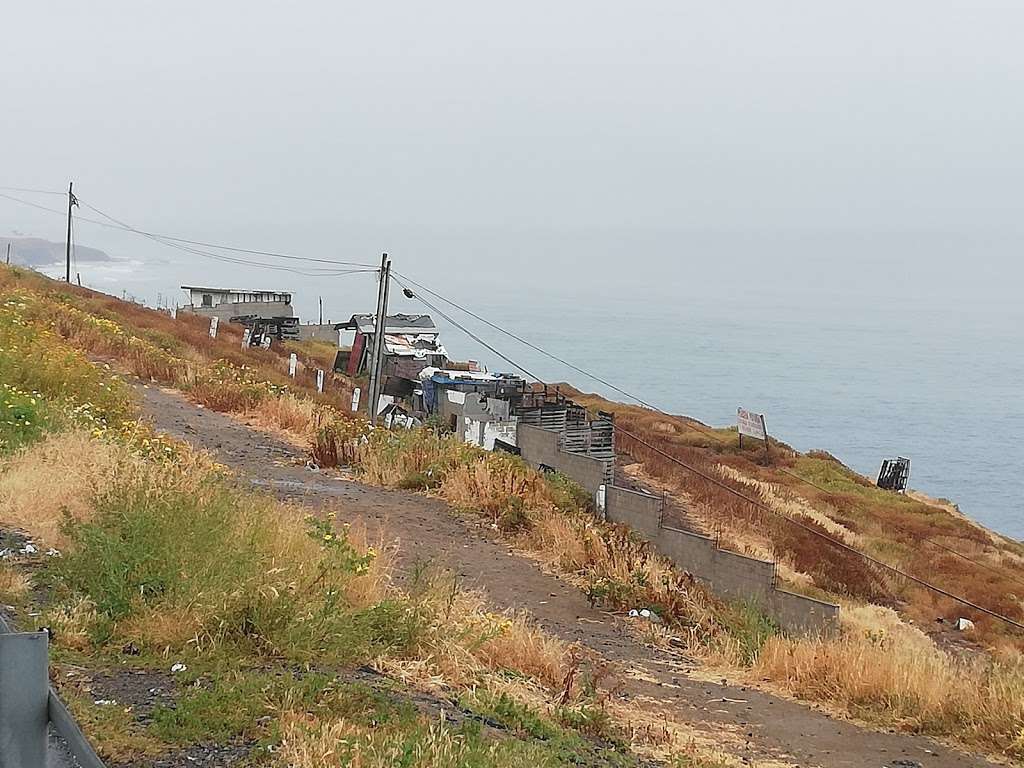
(716,481)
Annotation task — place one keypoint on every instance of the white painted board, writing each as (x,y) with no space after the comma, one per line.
(750,423)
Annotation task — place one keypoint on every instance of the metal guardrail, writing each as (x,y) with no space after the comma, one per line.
(28,703)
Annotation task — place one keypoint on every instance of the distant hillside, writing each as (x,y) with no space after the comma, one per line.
(35,252)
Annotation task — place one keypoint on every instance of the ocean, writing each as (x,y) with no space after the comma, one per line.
(935,380)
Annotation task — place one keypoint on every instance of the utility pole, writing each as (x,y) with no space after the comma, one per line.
(377,352)
(321,310)
(8,254)
(67,250)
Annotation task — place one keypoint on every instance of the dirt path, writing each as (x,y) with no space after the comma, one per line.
(754,725)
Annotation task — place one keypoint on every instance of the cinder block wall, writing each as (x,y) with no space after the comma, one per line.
(540,446)
(728,574)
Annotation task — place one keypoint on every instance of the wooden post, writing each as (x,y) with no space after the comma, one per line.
(67,245)
(764,429)
(378,339)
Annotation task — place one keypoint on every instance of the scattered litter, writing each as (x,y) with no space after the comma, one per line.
(724,700)
(644,613)
(29,549)
(51,552)
(131,649)
(312,466)
(178,667)
(964,625)
(104,702)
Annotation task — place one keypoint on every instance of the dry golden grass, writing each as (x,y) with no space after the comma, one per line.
(289,413)
(464,640)
(490,484)
(592,556)
(885,671)
(13,583)
(71,467)
(71,623)
(311,742)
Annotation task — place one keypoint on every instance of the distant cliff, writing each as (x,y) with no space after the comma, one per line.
(34,251)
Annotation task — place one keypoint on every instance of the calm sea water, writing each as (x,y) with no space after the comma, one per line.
(937,381)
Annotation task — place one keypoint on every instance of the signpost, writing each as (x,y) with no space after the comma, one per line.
(320,381)
(752,425)
(214,321)
(293,362)
(355,399)
(246,337)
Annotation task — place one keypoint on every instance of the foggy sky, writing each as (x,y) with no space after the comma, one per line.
(644,147)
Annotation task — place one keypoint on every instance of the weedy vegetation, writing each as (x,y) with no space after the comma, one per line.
(272,610)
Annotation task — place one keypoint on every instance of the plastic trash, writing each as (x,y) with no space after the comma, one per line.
(964,625)
(178,667)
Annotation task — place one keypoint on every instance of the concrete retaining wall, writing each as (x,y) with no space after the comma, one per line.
(540,446)
(640,511)
(728,574)
(317,332)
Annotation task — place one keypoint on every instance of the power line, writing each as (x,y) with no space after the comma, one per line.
(809,529)
(532,346)
(468,332)
(116,224)
(696,426)
(232,248)
(34,191)
(221,257)
(716,481)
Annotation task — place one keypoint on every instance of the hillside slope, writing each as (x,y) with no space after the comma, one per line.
(247,600)
(921,537)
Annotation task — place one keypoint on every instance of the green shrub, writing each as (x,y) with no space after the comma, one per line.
(23,418)
(212,555)
(750,626)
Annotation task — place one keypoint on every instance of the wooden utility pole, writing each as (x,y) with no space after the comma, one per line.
(376,353)
(8,254)
(321,310)
(67,246)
